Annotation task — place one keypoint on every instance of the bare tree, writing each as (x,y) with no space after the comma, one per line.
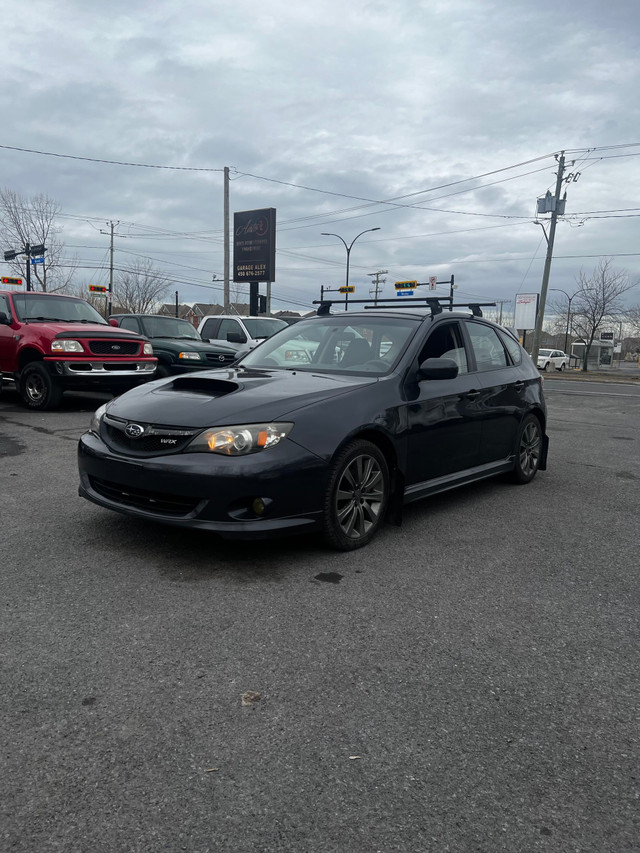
(632,318)
(598,300)
(139,289)
(32,221)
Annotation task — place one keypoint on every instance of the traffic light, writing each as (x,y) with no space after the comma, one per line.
(7,280)
(97,288)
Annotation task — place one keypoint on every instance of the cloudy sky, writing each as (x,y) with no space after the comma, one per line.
(436,121)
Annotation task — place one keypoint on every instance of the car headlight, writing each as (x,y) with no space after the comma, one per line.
(66,346)
(96,419)
(147,349)
(195,356)
(239,440)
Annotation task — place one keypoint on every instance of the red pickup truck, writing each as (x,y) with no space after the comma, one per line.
(51,343)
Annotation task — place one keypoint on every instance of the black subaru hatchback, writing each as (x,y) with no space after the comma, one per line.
(332,424)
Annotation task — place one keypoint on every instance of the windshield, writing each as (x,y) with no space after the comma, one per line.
(544,352)
(334,344)
(263,327)
(169,327)
(41,306)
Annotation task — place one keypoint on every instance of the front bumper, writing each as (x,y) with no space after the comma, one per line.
(208,492)
(78,368)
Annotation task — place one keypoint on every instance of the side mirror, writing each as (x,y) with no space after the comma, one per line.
(236,338)
(438,368)
(113,322)
(4,319)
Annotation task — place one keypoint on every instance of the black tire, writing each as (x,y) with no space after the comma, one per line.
(561,368)
(357,496)
(528,450)
(38,389)
(546,367)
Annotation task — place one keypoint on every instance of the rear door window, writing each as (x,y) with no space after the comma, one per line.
(488,349)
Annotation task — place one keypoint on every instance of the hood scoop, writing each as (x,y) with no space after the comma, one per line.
(210,387)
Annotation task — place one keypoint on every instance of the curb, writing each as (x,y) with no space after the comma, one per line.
(621,376)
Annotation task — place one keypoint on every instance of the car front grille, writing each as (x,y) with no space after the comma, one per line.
(153,441)
(218,360)
(157,502)
(114,347)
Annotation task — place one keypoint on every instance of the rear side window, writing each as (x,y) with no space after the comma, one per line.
(513,347)
(487,347)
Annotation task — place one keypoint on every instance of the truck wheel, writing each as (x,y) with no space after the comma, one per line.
(38,389)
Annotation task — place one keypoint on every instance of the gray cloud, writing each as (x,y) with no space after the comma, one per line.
(371,100)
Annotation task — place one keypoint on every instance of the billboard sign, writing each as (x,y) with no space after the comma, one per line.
(254,245)
(526,311)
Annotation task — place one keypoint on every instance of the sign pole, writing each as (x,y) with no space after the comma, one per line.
(27,251)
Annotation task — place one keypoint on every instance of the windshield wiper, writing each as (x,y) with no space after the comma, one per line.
(44,319)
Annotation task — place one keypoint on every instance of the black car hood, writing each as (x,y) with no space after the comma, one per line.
(230,396)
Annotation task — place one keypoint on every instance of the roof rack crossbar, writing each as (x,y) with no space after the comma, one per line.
(434,303)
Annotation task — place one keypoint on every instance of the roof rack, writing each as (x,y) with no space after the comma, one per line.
(434,303)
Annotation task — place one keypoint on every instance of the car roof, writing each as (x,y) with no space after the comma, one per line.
(134,314)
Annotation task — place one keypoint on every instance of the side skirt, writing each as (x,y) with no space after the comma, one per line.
(460,478)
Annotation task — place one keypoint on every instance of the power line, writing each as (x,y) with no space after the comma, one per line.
(110,162)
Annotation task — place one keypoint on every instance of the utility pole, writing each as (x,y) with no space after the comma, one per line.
(557,206)
(501,302)
(377,285)
(226,239)
(111,225)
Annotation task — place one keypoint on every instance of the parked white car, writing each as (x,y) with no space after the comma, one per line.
(548,358)
(240,333)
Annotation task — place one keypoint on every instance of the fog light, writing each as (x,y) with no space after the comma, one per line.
(257,505)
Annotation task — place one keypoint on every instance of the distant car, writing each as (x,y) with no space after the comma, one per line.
(176,343)
(240,333)
(375,410)
(552,358)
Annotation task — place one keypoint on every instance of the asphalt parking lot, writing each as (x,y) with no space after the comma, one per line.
(470,682)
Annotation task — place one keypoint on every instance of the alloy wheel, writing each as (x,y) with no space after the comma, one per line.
(359,497)
(530,448)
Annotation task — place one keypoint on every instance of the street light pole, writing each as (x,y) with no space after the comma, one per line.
(348,248)
(570,300)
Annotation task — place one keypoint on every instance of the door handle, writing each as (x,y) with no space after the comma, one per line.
(519,385)
(471,395)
